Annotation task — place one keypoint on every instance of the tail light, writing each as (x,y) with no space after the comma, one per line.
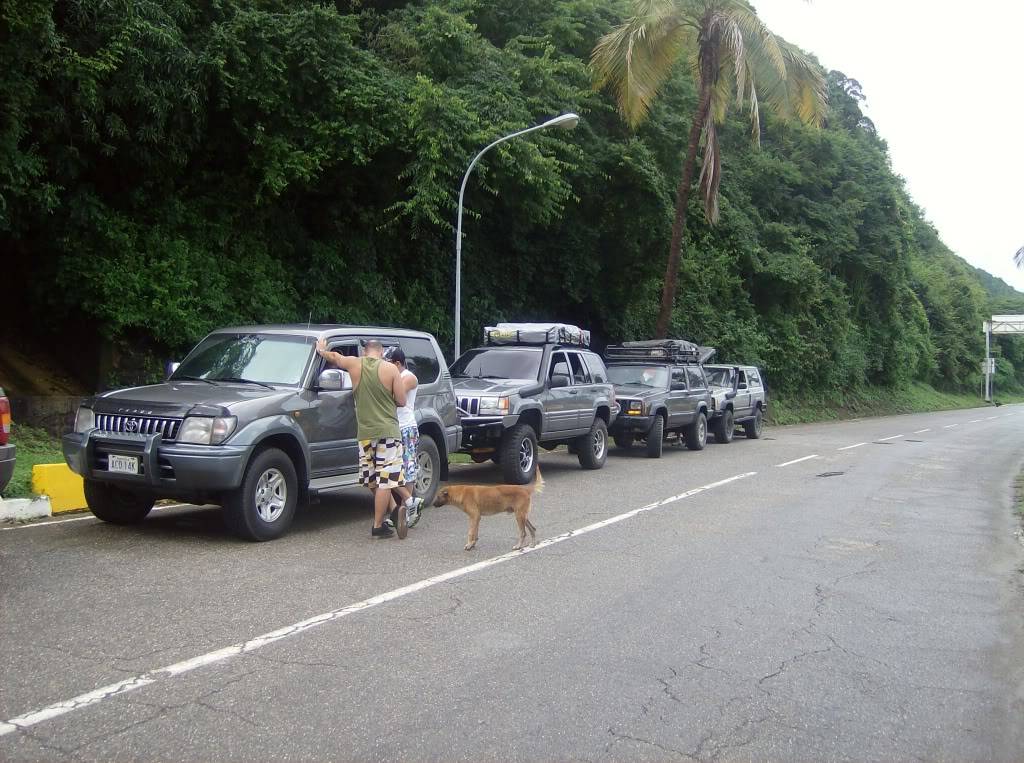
(5,420)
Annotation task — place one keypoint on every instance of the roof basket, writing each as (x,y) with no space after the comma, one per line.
(655,351)
(537,333)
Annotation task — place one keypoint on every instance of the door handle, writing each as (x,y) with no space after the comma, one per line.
(574,392)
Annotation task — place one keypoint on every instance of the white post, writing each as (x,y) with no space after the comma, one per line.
(988,361)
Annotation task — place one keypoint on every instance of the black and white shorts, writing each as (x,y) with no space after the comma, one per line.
(381,463)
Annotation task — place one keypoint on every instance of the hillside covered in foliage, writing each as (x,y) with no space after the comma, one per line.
(172,166)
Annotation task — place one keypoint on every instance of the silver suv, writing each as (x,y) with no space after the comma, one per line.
(253,421)
(738,396)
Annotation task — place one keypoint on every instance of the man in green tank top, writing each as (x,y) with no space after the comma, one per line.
(378,393)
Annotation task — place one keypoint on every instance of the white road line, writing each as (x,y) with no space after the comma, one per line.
(170,671)
(950,426)
(989,418)
(853,446)
(798,460)
(974,421)
(919,431)
(88,516)
(883,439)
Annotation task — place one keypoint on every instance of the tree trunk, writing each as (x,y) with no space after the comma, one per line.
(675,250)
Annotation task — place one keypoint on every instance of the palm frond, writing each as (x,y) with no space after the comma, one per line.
(711,169)
(1018,258)
(636,58)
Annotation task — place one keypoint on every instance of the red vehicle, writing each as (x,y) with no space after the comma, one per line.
(6,449)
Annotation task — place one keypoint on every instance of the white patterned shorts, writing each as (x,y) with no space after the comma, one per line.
(380,463)
(410,439)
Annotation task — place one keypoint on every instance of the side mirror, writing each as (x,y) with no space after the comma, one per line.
(333,380)
(678,386)
(559,380)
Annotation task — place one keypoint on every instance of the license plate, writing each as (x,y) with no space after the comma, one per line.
(123,464)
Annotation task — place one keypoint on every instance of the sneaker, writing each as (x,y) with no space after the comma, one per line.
(414,512)
(391,518)
(381,532)
(403,524)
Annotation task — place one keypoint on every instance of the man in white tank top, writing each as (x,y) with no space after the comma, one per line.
(410,432)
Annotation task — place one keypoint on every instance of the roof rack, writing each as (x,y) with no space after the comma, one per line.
(655,351)
(537,333)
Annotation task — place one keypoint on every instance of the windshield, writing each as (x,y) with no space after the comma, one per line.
(493,363)
(249,357)
(719,377)
(647,376)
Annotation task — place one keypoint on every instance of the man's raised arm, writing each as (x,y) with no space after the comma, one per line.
(344,362)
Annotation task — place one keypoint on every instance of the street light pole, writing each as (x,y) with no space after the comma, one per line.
(566,121)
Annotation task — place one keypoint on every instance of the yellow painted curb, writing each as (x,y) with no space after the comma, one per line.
(62,485)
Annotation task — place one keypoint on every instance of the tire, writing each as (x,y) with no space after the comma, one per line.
(116,505)
(624,441)
(519,454)
(696,434)
(754,427)
(656,437)
(725,426)
(428,469)
(593,447)
(263,507)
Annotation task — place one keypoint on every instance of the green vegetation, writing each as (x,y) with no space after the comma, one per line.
(873,401)
(169,167)
(34,446)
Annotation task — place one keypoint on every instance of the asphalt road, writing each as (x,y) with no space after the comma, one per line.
(848,591)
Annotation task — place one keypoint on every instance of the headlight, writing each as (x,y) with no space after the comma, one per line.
(634,408)
(202,430)
(85,420)
(497,405)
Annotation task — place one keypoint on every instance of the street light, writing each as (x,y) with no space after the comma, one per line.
(566,122)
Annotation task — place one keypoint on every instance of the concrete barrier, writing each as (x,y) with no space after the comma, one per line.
(62,486)
(21,509)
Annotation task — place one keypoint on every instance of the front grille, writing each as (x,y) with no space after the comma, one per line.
(470,405)
(111,422)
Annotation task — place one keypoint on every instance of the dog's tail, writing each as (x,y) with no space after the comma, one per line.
(538,481)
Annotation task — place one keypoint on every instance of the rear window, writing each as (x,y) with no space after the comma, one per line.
(597,370)
(420,358)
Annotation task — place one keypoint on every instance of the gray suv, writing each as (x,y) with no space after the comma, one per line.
(253,421)
(661,389)
(518,395)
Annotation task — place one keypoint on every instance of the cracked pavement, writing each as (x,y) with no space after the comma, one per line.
(872,615)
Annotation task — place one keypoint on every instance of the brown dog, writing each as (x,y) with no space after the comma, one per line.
(479,500)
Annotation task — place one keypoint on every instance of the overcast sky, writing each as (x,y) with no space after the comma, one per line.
(944,83)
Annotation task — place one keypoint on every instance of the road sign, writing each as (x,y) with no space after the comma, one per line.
(1007,324)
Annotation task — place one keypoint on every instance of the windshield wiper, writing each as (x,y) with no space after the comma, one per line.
(240,380)
(183,377)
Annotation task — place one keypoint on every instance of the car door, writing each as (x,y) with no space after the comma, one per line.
(560,414)
(755,388)
(330,424)
(586,394)
(680,406)
(742,402)
(697,388)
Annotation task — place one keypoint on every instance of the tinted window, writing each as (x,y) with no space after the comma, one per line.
(597,370)
(420,358)
(742,377)
(679,376)
(580,374)
(559,365)
(695,378)
(495,363)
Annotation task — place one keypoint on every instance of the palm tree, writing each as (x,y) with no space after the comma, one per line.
(1019,257)
(732,55)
